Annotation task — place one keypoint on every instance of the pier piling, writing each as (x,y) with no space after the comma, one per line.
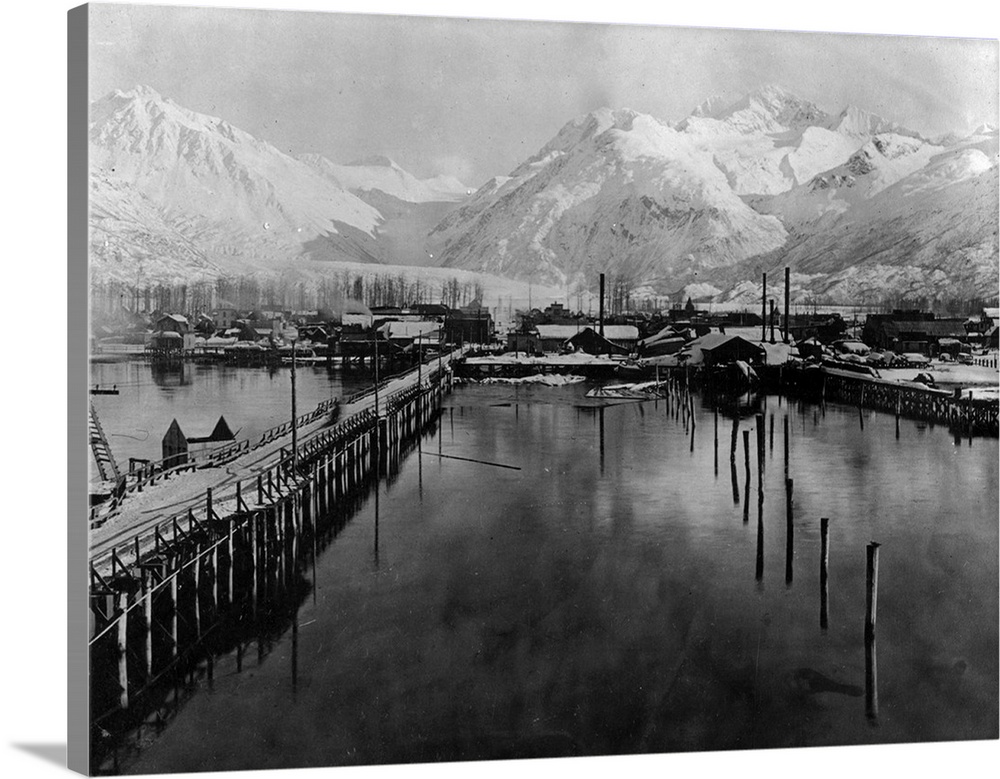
(789,531)
(824,575)
(871,602)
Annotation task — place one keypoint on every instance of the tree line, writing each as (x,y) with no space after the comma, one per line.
(246,293)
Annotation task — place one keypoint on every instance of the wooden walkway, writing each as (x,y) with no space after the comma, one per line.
(160,497)
(208,574)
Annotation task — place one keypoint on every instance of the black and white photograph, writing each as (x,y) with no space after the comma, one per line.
(462,389)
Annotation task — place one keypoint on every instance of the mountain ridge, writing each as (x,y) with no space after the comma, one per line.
(739,184)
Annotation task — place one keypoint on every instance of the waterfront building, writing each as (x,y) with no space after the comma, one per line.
(910,332)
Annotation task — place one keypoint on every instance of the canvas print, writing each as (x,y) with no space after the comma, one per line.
(463,389)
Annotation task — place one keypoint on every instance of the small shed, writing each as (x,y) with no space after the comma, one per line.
(590,342)
(551,338)
(730,348)
(174,446)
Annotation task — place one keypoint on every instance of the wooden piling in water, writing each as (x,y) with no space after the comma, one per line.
(736,428)
(871,588)
(716,447)
(871,602)
(785,421)
(759,572)
(789,531)
(147,613)
(760,444)
(123,648)
(824,572)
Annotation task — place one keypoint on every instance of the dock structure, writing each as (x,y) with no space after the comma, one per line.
(166,596)
(960,412)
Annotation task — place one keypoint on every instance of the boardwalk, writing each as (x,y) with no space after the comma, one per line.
(165,499)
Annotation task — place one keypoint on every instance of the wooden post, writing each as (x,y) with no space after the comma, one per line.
(759,573)
(746,452)
(197,593)
(871,672)
(746,482)
(786,446)
(871,590)
(123,648)
(260,490)
(760,444)
(771,439)
(716,440)
(230,565)
(252,557)
(173,614)
(215,582)
(789,533)
(824,572)
(147,608)
(736,428)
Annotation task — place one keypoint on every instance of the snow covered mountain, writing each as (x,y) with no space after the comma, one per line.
(738,186)
(853,202)
(614,191)
(382,174)
(884,226)
(194,190)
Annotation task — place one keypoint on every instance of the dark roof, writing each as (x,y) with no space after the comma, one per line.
(594,343)
(174,433)
(935,328)
(222,432)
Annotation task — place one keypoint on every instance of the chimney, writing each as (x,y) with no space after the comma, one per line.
(763,309)
(600,309)
(787,285)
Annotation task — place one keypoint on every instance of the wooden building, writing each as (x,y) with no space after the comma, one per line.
(720,349)
(174,446)
(588,341)
(910,332)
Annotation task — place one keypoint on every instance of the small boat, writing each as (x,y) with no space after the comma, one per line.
(623,393)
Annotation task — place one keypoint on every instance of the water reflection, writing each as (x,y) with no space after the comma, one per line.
(170,374)
(588,605)
(789,532)
(759,573)
(824,574)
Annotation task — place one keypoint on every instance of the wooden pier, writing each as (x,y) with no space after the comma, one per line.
(962,413)
(171,597)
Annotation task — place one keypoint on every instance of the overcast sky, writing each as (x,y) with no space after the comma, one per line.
(474,98)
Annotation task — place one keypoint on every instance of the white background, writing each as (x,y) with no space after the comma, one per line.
(33,595)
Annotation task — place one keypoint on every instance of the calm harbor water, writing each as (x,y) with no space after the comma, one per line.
(251,399)
(613,595)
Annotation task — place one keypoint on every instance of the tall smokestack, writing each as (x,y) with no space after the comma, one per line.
(600,309)
(763,309)
(787,285)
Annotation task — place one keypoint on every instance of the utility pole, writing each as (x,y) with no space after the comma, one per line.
(375,332)
(295,429)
